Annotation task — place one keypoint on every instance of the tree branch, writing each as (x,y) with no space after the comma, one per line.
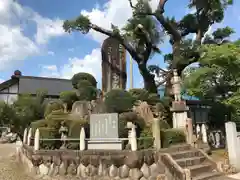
(166,25)
(132,51)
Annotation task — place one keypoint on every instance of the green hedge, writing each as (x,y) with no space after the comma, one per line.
(171,137)
(118,101)
(145,141)
(49,133)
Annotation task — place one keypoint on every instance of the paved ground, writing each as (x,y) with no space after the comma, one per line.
(11,170)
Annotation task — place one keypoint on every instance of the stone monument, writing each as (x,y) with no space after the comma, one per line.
(104,132)
(113,65)
(179,107)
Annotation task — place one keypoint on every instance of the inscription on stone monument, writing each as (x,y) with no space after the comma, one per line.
(104,126)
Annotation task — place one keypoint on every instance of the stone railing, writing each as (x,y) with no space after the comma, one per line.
(173,170)
(144,164)
(35,140)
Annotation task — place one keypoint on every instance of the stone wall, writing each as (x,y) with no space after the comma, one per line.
(142,165)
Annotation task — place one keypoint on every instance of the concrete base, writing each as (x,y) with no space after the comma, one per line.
(105,145)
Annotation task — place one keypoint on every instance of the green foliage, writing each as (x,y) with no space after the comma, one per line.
(49,133)
(130,117)
(79,77)
(87,93)
(49,128)
(164,125)
(171,137)
(153,99)
(146,140)
(68,97)
(139,94)
(38,124)
(218,73)
(222,33)
(53,106)
(82,24)
(118,100)
(7,115)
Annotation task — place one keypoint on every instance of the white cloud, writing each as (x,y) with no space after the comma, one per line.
(70,49)
(114,11)
(51,53)
(91,64)
(15,46)
(1,80)
(47,28)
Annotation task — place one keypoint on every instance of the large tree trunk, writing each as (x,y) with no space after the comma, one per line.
(148,78)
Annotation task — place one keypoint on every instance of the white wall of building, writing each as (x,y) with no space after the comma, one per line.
(9,95)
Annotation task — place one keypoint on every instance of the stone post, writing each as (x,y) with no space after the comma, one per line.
(156,133)
(189,131)
(25,136)
(232,145)
(29,137)
(133,139)
(82,143)
(198,130)
(204,133)
(37,140)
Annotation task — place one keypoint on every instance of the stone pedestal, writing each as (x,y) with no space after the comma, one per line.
(105,145)
(233,145)
(179,110)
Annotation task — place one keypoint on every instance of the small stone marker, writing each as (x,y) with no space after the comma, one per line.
(104,132)
(104,126)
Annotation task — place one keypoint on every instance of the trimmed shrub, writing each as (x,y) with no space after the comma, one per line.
(87,93)
(68,97)
(53,106)
(49,133)
(171,137)
(147,139)
(83,76)
(153,99)
(130,117)
(118,100)
(38,124)
(139,94)
(163,124)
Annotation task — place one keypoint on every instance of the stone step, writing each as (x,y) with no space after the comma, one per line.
(179,147)
(185,162)
(186,154)
(207,176)
(200,168)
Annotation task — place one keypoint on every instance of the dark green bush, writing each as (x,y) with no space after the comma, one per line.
(153,99)
(118,100)
(84,83)
(68,97)
(130,117)
(53,106)
(49,133)
(139,94)
(163,124)
(87,93)
(38,124)
(146,139)
(171,137)
(83,76)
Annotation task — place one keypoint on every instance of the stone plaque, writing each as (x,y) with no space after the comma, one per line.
(104,126)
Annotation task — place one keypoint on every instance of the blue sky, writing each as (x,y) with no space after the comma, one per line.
(33,41)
